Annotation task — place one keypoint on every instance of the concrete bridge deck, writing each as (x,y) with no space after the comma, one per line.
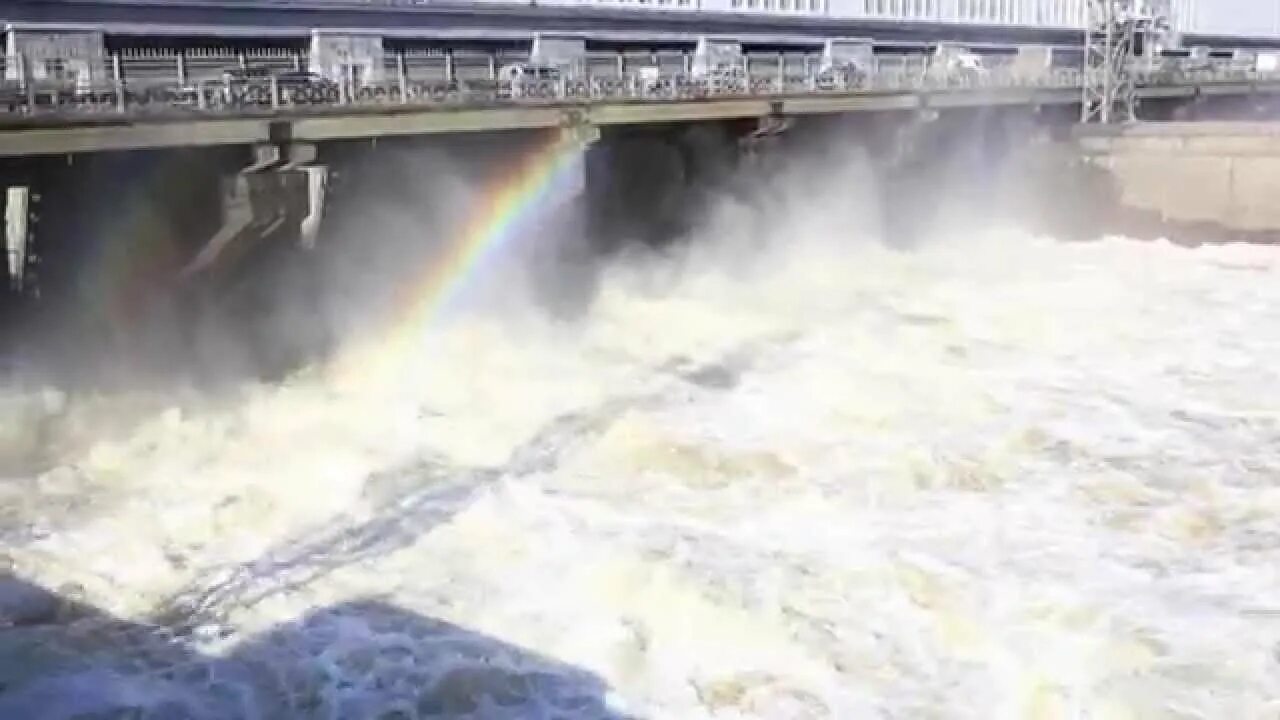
(53,133)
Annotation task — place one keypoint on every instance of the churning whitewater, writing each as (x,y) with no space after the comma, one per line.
(998,476)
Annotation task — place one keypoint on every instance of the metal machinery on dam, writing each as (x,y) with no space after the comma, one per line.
(1252,18)
(343,87)
(74,90)
(62,58)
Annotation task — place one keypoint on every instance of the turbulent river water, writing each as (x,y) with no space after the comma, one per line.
(994,477)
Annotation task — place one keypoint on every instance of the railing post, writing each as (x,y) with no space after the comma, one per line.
(275,93)
(182,68)
(242,61)
(201,101)
(24,72)
(620,64)
(402,76)
(297,61)
(448,66)
(117,81)
(493,67)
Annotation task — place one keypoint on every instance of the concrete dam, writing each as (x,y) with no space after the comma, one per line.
(909,410)
(234,234)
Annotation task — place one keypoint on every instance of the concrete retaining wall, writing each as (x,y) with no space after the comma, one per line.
(1220,174)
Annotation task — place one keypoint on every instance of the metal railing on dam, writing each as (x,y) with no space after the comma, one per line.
(156,111)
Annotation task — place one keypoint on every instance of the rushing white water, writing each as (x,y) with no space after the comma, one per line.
(999,477)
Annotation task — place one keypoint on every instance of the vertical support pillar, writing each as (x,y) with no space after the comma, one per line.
(17,214)
(302,158)
(402,76)
(29,90)
(317,190)
(117,81)
(182,68)
(450,73)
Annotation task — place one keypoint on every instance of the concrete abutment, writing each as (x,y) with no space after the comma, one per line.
(1191,182)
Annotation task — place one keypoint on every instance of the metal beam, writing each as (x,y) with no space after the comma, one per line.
(638,113)
(852,103)
(1020,96)
(17,231)
(427,122)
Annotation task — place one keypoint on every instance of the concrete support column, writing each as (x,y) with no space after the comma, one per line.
(402,77)
(256,275)
(20,286)
(17,235)
(278,198)
(302,158)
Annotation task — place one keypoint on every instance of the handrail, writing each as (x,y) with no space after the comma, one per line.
(143,96)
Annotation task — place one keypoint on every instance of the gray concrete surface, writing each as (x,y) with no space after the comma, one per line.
(1226,173)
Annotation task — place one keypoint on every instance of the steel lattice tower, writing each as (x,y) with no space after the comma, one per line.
(1117,34)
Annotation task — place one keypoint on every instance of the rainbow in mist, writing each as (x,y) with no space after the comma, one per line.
(507,206)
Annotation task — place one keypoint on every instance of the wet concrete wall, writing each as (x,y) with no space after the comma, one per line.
(1220,173)
(115,228)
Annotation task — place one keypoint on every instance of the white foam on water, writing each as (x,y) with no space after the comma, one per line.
(998,477)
